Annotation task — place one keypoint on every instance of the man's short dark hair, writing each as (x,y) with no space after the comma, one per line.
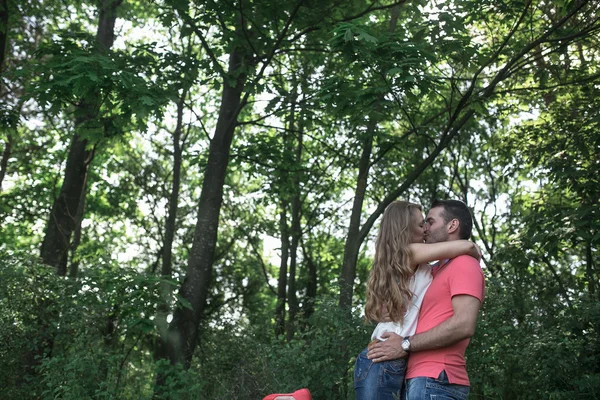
(456,209)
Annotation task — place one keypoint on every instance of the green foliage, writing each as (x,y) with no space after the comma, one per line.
(344,74)
(240,362)
(75,75)
(74,339)
(99,347)
(9,118)
(529,345)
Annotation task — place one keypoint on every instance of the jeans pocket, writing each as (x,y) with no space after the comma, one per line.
(395,367)
(362,367)
(392,378)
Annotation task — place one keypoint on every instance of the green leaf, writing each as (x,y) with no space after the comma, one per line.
(348,35)
(146,100)
(184,302)
(362,35)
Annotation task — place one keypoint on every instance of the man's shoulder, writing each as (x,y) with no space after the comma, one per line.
(465,261)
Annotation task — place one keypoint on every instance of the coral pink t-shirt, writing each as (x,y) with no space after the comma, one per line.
(461,276)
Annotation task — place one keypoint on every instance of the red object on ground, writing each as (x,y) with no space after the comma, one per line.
(302,394)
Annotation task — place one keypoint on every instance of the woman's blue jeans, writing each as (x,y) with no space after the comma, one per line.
(378,381)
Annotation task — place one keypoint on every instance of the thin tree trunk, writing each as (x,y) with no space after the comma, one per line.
(591,276)
(183,330)
(352,245)
(353,239)
(3,32)
(5,156)
(67,210)
(74,267)
(170,225)
(296,231)
(160,348)
(63,221)
(311,284)
(283,272)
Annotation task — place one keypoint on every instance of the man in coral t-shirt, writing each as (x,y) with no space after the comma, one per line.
(448,315)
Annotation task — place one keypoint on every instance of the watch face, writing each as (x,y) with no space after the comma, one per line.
(405,345)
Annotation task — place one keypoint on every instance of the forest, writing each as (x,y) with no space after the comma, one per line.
(190,190)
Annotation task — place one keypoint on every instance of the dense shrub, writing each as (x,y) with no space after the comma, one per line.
(93,338)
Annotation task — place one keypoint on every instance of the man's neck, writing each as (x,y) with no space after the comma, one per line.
(439,266)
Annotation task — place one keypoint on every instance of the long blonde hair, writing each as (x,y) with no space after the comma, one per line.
(390,276)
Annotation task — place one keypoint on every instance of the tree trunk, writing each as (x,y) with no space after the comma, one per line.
(295,234)
(5,156)
(590,270)
(3,32)
(353,242)
(3,45)
(353,239)
(62,221)
(183,331)
(105,36)
(170,225)
(74,267)
(160,348)
(311,284)
(283,272)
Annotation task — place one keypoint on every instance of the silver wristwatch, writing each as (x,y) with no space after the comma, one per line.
(406,344)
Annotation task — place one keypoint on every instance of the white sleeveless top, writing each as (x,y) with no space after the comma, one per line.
(418,285)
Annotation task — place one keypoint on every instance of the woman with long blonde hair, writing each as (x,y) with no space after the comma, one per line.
(397,283)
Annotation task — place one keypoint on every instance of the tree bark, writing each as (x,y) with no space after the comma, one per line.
(74,267)
(105,36)
(353,242)
(5,156)
(353,239)
(3,45)
(160,349)
(283,272)
(63,221)
(296,231)
(183,331)
(170,225)
(311,284)
(3,32)
(590,270)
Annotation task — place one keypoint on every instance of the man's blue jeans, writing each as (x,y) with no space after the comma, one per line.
(423,388)
(378,381)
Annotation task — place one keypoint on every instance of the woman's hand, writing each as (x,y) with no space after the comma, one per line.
(475,252)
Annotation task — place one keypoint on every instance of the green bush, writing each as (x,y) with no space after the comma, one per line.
(92,338)
(533,345)
(74,339)
(239,362)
